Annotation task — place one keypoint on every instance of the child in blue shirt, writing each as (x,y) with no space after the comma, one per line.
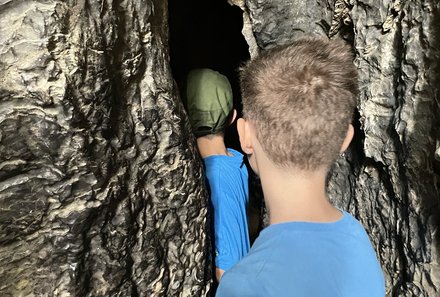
(208,101)
(298,102)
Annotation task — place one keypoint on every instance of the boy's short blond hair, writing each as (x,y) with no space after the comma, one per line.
(301,98)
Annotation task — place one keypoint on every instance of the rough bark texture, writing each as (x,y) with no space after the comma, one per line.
(101,190)
(390,177)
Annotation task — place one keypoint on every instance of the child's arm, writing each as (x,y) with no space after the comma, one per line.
(218,273)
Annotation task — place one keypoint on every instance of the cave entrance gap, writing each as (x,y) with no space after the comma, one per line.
(207,34)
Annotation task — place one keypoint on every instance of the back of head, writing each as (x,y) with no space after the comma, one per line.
(208,101)
(301,98)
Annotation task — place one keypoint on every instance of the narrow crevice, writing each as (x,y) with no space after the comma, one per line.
(402,210)
(113,62)
(207,34)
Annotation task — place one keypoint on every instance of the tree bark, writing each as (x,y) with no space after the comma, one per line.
(101,187)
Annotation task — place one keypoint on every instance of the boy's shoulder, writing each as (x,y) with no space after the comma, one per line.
(288,256)
(291,243)
(223,163)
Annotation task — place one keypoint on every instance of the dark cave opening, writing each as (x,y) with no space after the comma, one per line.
(207,34)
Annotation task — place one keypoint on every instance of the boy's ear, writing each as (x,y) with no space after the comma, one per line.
(244,134)
(348,138)
(232,116)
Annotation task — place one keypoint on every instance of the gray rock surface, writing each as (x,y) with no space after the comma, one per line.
(390,177)
(101,190)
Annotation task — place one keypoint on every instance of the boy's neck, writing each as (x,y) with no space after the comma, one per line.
(292,196)
(211,145)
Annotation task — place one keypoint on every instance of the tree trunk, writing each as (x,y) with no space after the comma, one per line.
(101,188)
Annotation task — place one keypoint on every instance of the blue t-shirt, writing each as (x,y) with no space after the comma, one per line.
(227,178)
(300,259)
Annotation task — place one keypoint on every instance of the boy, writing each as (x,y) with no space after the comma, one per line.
(208,97)
(298,103)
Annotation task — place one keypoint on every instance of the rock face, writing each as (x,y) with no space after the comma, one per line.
(100,183)
(390,177)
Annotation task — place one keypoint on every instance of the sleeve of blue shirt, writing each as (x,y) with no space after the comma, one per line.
(230,287)
(230,228)
(227,180)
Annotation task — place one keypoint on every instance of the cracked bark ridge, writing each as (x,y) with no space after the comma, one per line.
(101,190)
(279,21)
(390,178)
(247,32)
